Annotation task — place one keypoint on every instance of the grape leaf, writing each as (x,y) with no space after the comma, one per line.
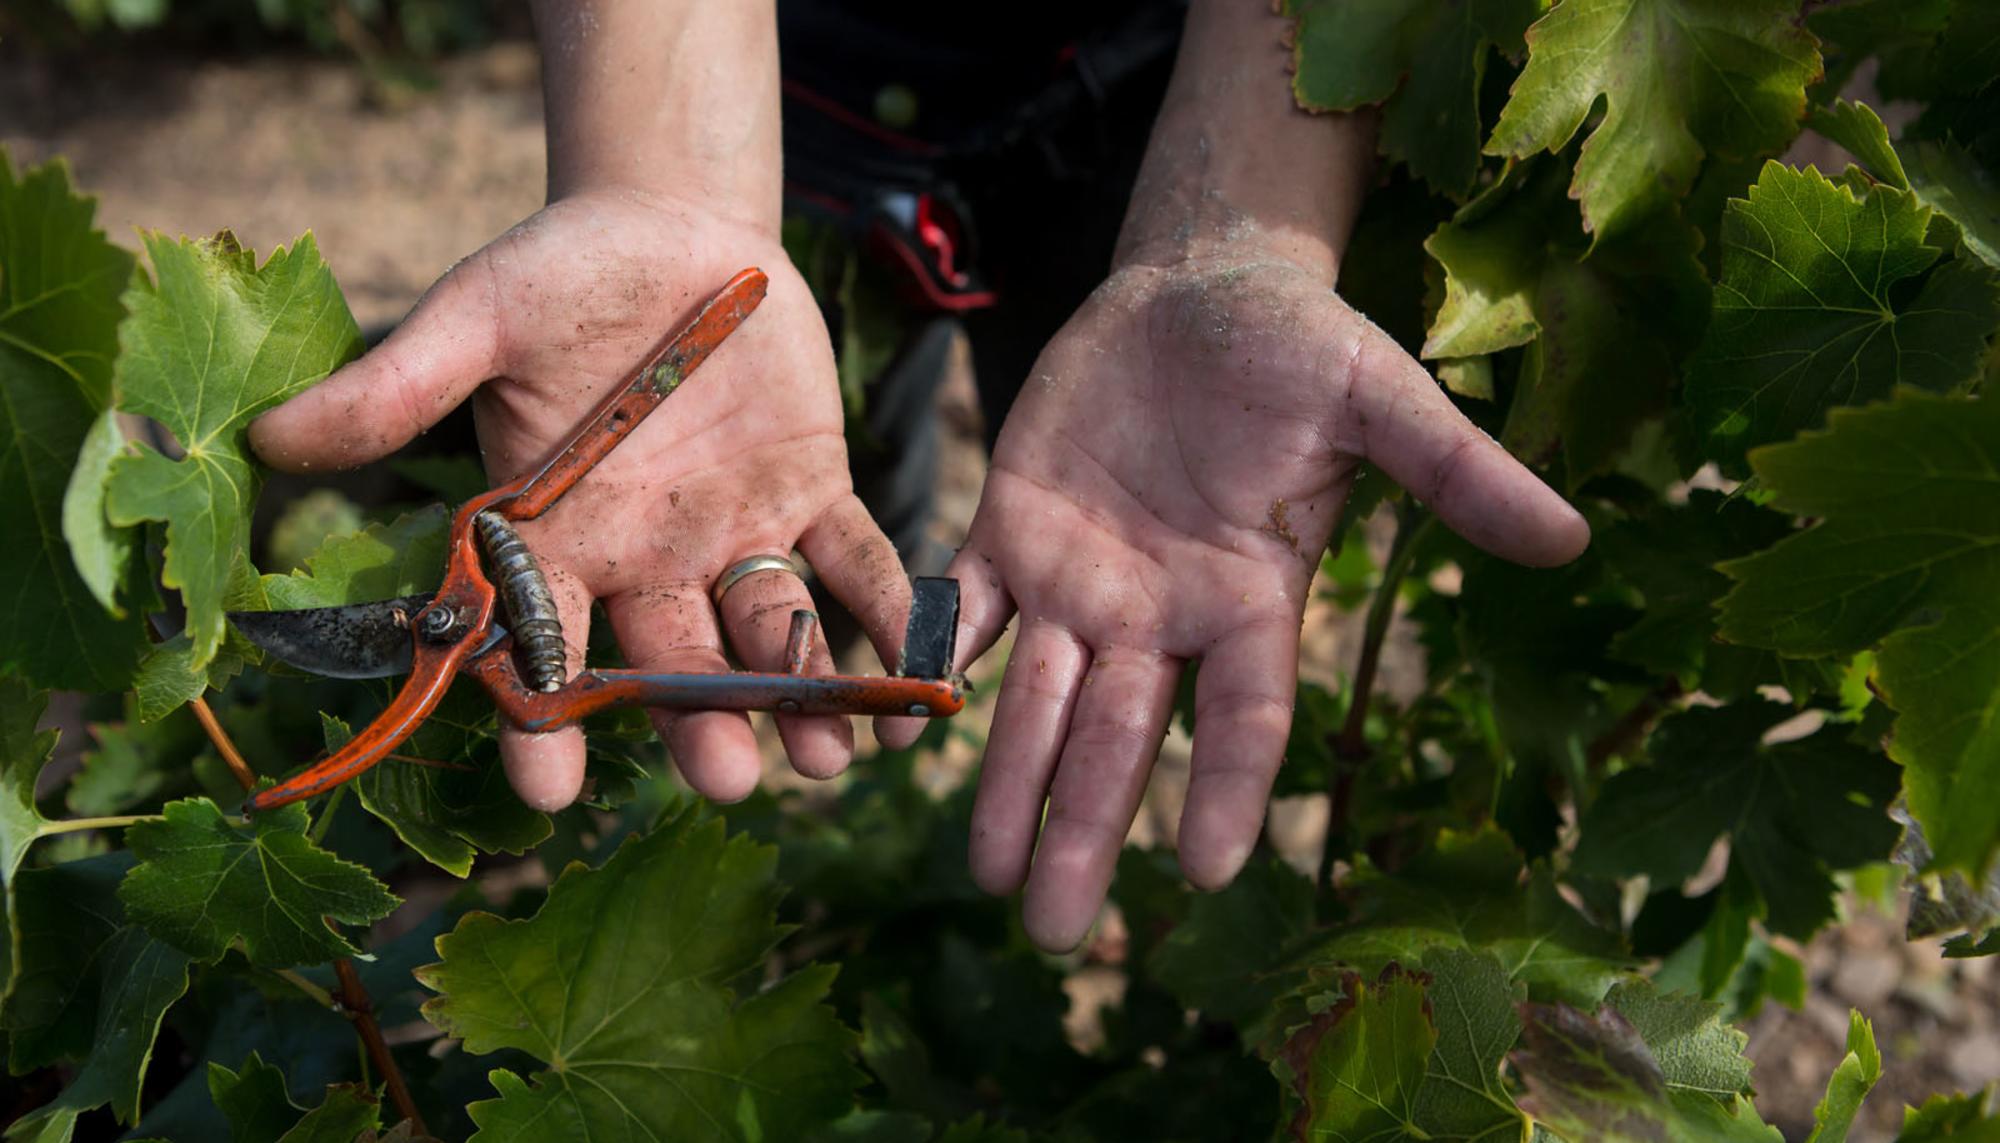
(1813,311)
(460,805)
(1669,553)
(1952,1119)
(1946,178)
(260,1111)
(1696,1051)
(381,561)
(60,281)
(131,765)
(89,987)
(1850,1083)
(169,678)
(1220,959)
(213,342)
(1794,813)
(1681,79)
(1856,127)
(1596,1078)
(203,884)
(1470,891)
(1357,1064)
(23,753)
(1903,560)
(1605,326)
(1424,61)
(620,984)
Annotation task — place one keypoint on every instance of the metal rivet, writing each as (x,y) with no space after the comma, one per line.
(789,706)
(919,709)
(438,623)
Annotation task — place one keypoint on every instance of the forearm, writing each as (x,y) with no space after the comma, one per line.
(1234,163)
(668,97)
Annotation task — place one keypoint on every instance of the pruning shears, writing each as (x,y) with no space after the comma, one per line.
(468,624)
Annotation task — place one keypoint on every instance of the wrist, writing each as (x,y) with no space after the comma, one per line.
(668,99)
(1234,167)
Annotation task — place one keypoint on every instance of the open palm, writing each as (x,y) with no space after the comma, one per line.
(1161,493)
(746,459)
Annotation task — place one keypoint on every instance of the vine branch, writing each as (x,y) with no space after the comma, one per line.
(1350,745)
(352,999)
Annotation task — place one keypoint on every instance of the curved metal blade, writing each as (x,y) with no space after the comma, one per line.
(358,641)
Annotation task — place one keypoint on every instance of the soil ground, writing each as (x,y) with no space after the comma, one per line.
(397,184)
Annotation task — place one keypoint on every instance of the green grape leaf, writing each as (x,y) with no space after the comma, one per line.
(1856,127)
(1794,813)
(1469,892)
(1598,1077)
(1516,272)
(260,1110)
(1697,1052)
(381,561)
(131,765)
(1946,178)
(60,281)
(1357,1064)
(211,343)
(1952,1119)
(88,987)
(459,803)
(23,753)
(1813,311)
(307,523)
(1682,79)
(1850,1083)
(1423,60)
(1219,959)
(620,985)
(1473,1002)
(1669,553)
(169,678)
(1903,560)
(203,884)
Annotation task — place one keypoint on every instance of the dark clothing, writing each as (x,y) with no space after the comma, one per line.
(1027,126)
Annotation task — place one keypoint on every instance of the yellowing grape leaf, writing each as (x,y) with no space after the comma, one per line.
(1422,59)
(213,341)
(1904,559)
(1814,310)
(60,280)
(625,985)
(1794,813)
(1357,1064)
(1681,79)
(204,884)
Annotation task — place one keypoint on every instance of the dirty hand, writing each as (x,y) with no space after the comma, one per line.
(1161,493)
(746,459)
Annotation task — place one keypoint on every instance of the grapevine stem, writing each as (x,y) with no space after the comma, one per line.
(1350,745)
(224,745)
(360,1009)
(73,825)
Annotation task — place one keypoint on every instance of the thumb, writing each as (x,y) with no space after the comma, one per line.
(1398,417)
(374,405)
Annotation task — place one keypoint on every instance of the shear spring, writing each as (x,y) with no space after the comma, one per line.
(530,605)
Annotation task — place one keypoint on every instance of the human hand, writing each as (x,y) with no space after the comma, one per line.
(748,458)
(1161,493)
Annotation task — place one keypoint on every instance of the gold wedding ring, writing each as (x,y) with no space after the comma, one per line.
(751,566)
